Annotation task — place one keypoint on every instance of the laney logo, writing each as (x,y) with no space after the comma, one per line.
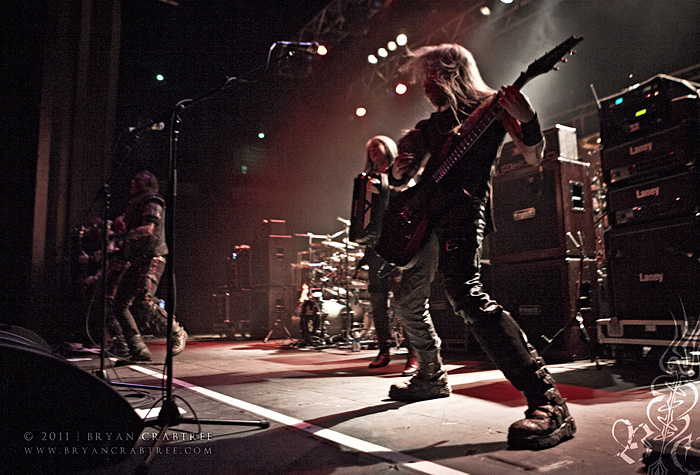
(641,148)
(651,277)
(648,192)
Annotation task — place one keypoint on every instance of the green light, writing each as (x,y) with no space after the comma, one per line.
(261,135)
(640,112)
(244,169)
(618,101)
(160,77)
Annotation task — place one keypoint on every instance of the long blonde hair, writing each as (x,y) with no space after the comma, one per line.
(389,146)
(454,70)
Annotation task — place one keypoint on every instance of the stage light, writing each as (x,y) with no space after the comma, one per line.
(391,46)
(401,88)
(160,77)
(372,59)
(402,40)
(506,1)
(486,11)
(382,52)
(360,112)
(261,135)
(322,50)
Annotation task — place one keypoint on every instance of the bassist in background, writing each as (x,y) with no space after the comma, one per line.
(453,85)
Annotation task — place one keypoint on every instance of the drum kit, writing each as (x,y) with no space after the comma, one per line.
(334,301)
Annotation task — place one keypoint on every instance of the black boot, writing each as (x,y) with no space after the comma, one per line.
(547,420)
(138,349)
(118,348)
(430,382)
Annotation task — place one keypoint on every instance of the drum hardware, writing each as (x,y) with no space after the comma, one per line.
(334,291)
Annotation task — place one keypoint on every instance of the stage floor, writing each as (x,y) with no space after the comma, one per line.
(329,413)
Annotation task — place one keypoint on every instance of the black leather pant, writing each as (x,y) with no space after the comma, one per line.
(454,249)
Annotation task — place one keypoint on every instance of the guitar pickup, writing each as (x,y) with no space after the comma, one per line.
(523,214)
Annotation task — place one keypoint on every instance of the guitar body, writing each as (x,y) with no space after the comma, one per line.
(406,226)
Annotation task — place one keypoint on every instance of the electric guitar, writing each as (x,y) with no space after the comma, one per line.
(409,219)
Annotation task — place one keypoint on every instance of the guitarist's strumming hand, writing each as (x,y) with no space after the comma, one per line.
(405,166)
(516,104)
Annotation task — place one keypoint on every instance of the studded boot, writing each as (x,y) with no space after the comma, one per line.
(430,382)
(547,420)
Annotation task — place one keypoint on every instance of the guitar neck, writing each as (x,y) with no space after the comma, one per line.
(540,66)
(468,140)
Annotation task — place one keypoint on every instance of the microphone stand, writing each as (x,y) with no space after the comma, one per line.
(169,415)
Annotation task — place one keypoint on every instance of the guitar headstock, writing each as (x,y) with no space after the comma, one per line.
(549,61)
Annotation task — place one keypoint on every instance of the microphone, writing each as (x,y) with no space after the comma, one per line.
(309,47)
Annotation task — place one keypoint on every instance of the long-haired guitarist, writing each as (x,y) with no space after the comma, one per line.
(143,251)
(459,209)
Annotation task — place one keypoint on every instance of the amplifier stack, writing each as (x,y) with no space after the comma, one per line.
(259,295)
(650,136)
(541,215)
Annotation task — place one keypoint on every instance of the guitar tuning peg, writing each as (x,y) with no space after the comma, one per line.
(556,68)
(564,60)
(572,52)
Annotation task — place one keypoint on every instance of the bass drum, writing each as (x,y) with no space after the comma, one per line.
(333,313)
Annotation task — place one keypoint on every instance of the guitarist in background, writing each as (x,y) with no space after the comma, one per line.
(139,268)
(452,83)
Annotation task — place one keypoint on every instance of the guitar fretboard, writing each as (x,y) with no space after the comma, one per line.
(468,140)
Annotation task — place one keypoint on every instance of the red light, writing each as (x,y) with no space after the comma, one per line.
(401,88)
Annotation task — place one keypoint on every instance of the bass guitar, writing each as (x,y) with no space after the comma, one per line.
(409,219)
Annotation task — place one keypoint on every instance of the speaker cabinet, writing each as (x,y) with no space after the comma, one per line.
(534,208)
(660,198)
(57,417)
(541,296)
(654,270)
(272,261)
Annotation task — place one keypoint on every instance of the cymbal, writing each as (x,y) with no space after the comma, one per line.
(315,236)
(339,245)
